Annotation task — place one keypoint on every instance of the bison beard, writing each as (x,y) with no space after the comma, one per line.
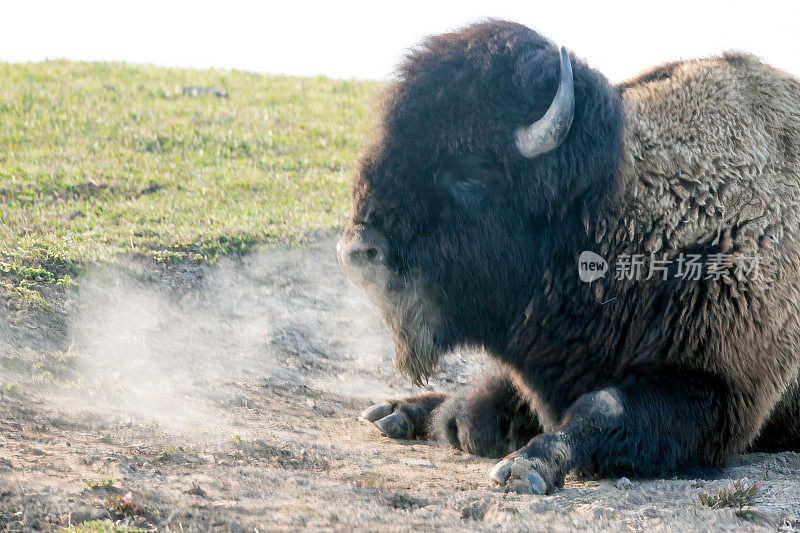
(412,321)
(497,162)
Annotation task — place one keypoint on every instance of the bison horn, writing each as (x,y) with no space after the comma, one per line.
(549,132)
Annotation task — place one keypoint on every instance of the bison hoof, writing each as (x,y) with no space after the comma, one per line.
(517,474)
(376,412)
(395,424)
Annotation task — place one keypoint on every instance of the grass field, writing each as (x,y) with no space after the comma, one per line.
(98,160)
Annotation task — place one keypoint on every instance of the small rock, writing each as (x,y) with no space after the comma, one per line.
(194,91)
(474,511)
(420,463)
(623,483)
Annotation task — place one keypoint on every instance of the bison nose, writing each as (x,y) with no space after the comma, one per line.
(360,250)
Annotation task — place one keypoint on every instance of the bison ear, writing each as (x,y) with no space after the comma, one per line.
(547,133)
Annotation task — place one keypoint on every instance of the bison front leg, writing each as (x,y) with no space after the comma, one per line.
(641,428)
(488,419)
(406,418)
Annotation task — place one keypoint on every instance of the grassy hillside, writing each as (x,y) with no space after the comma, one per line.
(102,159)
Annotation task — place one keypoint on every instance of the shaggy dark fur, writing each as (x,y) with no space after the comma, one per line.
(640,377)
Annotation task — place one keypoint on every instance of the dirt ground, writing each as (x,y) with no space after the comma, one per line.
(228,398)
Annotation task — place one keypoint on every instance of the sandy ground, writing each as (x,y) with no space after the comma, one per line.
(227,399)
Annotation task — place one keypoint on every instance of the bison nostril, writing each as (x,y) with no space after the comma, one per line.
(364,254)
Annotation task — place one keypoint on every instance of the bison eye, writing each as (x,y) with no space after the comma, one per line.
(469,182)
(472,178)
(463,188)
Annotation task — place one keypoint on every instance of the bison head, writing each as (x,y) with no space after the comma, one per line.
(490,145)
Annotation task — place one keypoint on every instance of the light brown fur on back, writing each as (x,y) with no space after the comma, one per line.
(712,159)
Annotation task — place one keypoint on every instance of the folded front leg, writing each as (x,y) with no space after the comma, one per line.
(404,418)
(640,427)
(489,418)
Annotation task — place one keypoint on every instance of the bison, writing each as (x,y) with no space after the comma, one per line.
(497,161)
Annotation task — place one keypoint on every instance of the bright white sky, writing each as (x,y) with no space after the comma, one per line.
(356,39)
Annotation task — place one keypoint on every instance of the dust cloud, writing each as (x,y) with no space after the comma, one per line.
(171,349)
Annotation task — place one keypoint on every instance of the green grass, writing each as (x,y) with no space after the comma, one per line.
(11,387)
(106,484)
(99,159)
(737,496)
(101,526)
